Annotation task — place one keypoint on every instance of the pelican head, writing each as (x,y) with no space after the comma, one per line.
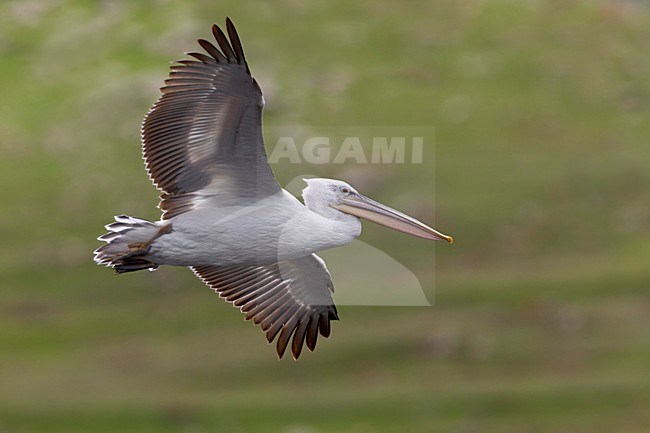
(338,200)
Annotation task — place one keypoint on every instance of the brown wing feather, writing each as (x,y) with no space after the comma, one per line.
(203,137)
(291,298)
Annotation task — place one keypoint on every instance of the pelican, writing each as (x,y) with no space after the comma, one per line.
(224,214)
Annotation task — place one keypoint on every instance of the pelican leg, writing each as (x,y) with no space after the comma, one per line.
(142,248)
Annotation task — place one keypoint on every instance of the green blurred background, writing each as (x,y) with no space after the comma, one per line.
(541,321)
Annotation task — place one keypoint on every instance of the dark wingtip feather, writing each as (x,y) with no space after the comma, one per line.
(223,43)
(281,345)
(324,325)
(312,334)
(236,43)
(211,49)
(202,57)
(298,339)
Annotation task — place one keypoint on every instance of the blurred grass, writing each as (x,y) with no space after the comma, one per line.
(542,309)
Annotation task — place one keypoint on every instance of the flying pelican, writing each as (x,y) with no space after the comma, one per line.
(224,214)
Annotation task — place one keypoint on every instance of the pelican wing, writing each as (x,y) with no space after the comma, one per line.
(203,137)
(288,298)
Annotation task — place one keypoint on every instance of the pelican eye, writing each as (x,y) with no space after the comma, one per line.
(345,190)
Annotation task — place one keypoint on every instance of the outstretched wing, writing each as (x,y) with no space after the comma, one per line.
(203,137)
(291,297)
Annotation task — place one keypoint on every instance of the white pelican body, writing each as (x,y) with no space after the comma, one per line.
(289,230)
(224,214)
